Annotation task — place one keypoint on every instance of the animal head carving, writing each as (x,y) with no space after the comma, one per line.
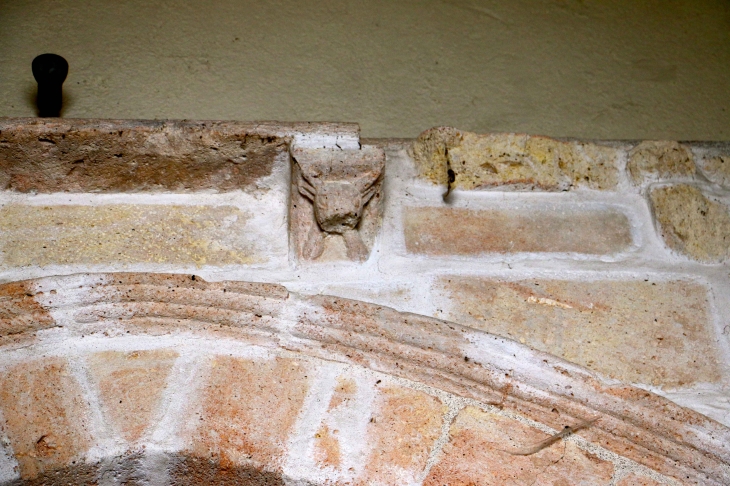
(339,184)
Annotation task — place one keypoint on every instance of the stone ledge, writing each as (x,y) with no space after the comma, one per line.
(67,155)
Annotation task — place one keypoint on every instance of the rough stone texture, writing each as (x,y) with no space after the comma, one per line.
(401,433)
(636,480)
(45,416)
(247,410)
(130,386)
(41,155)
(336,192)
(476,455)
(455,231)
(716,167)
(125,233)
(691,223)
(123,470)
(20,311)
(196,471)
(658,333)
(652,160)
(518,161)
(263,396)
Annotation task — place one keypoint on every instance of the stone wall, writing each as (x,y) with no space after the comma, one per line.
(481,293)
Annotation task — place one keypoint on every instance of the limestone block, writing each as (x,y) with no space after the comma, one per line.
(401,434)
(126,233)
(336,194)
(691,223)
(401,428)
(657,333)
(477,454)
(246,410)
(123,155)
(130,387)
(438,231)
(46,416)
(716,167)
(516,161)
(657,160)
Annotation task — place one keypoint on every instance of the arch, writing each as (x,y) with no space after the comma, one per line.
(248,383)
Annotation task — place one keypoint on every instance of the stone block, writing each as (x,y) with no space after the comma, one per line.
(477,455)
(508,160)
(692,223)
(20,310)
(438,231)
(716,167)
(130,386)
(45,416)
(657,160)
(336,198)
(657,333)
(126,233)
(245,412)
(123,156)
(376,433)
(401,433)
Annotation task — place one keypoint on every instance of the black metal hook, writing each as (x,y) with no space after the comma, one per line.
(50,71)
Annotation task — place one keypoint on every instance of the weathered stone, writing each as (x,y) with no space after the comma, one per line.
(118,156)
(716,167)
(636,480)
(125,233)
(691,223)
(652,160)
(657,333)
(401,433)
(20,311)
(196,471)
(477,454)
(45,416)
(394,432)
(336,193)
(131,386)
(246,411)
(516,161)
(456,231)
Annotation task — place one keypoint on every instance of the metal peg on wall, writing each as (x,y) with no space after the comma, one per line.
(50,71)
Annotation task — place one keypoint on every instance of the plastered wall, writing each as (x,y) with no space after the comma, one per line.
(588,69)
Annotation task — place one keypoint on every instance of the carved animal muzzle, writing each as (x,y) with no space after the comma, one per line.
(338,206)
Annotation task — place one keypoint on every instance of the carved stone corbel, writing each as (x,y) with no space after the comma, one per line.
(336,195)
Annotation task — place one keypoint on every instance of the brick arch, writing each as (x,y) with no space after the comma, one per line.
(171,380)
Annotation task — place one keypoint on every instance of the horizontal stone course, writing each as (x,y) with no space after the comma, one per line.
(517,161)
(657,333)
(438,231)
(126,233)
(127,156)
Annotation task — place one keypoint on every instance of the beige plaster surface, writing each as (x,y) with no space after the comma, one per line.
(583,68)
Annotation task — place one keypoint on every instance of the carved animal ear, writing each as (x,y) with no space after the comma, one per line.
(369,192)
